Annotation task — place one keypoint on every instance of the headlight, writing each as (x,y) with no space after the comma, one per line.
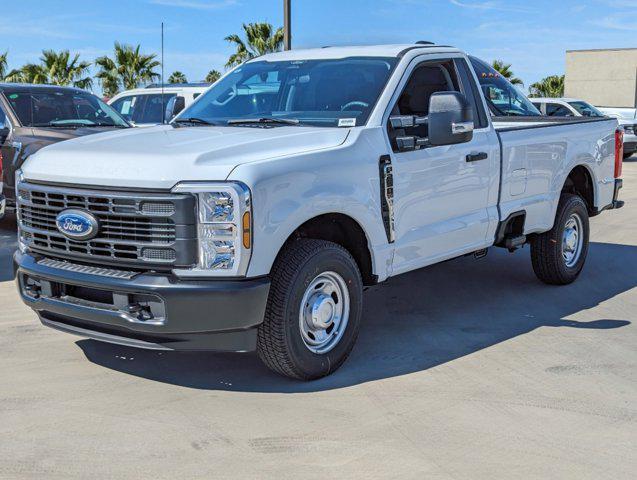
(224,226)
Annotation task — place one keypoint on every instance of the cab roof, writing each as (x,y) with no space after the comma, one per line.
(39,87)
(396,50)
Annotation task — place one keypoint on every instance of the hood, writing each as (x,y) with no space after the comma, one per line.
(159,157)
(35,138)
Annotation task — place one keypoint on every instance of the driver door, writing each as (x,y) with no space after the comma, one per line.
(445,197)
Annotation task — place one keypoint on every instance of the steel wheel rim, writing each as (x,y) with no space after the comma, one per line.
(324,312)
(572,240)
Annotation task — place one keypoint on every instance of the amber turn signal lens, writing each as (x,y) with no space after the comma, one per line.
(247,232)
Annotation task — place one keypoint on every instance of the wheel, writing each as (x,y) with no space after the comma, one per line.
(628,155)
(313,312)
(558,255)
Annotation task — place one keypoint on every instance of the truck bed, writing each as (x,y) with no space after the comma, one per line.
(539,153)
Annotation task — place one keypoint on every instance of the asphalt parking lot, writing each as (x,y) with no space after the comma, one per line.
(470,369)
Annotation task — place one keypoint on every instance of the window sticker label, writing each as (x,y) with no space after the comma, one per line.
(126,107)
(346,122)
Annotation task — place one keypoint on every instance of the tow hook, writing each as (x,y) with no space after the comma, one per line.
(141,312)
(33,290)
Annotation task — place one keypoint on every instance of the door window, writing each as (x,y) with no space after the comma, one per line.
(425,80)
(144,108)
(537,105)
(557,110)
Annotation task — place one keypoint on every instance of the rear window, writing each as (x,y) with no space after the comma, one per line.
(144,108)
(61,109)
(503,98)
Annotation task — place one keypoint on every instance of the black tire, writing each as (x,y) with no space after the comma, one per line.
(548,262)
(279,343)
(628,155)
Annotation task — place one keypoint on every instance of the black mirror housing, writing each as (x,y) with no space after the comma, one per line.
(174,106)
(450,119)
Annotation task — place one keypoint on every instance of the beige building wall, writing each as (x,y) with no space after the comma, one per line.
(605,78)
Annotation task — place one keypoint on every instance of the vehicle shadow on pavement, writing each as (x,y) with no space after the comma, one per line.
(412,322)
(8,245)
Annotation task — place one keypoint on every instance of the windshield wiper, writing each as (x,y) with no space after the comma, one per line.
(195,120)
(264,120)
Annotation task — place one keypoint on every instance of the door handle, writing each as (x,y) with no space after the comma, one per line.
(474,157)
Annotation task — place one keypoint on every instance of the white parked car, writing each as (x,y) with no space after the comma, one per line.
(572,107)
(627,118)
(256,218)
(153,105)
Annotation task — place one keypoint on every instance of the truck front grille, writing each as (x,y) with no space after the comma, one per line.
(137,229)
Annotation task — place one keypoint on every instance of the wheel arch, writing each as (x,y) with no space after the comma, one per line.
(579,181)
(344,230)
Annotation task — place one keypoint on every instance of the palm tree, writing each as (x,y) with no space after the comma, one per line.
(213,76)
(551,86)
(55,68)
(504,69)
(3,66)
(177,77)
(260,39)
(128,69)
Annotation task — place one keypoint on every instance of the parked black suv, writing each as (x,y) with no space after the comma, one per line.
(34,116)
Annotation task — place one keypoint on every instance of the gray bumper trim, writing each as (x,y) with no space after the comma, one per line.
(102,337)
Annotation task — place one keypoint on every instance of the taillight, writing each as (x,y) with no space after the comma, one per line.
(619,152)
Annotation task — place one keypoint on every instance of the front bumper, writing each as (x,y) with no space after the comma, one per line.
(143,310)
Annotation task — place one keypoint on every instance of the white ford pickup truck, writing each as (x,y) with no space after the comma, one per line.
(257,217)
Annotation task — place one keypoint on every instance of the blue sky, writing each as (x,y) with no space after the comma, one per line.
(531,35)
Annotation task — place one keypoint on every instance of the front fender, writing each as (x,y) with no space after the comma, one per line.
(290,191)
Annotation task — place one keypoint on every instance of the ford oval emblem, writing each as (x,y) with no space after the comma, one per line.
(77,224)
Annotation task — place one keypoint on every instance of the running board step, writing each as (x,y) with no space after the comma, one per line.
(513,243)
(480,253)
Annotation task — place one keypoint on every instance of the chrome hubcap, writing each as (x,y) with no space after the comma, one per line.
(324,312)
(572,240)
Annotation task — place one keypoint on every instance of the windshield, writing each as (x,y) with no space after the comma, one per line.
(143,108)
(62,109)
(586,109)
(503,98)
(330,93)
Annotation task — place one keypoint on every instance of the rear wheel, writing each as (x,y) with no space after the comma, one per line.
(314,309)
(558,255)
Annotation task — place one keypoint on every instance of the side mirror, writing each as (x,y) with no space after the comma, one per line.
(174,106)
(450,119)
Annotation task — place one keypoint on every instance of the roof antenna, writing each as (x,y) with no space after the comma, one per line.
(163,107)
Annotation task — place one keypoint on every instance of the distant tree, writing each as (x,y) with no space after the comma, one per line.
(504,69)
(128,69)
(55,68)
(5,75)
(177,77)
(551,86)
(261,38)
(213,76)
(3,65)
